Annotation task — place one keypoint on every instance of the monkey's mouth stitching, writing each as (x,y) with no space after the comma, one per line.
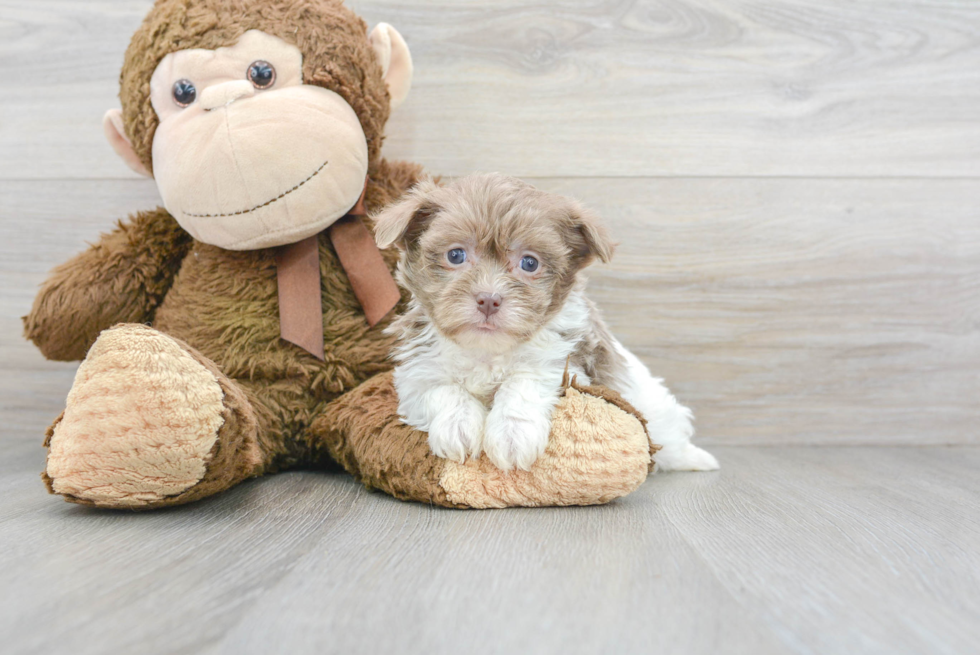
(264,204)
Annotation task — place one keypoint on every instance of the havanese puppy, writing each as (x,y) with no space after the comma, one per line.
(498,307)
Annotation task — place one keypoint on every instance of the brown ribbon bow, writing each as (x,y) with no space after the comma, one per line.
(298,273)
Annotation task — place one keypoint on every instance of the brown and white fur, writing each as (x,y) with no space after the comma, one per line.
(484,342)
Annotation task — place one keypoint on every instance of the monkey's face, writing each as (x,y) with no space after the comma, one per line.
(246,156)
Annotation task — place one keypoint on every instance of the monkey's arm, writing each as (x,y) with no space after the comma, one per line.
(122,278)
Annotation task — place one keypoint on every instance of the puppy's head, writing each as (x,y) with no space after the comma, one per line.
(490,258)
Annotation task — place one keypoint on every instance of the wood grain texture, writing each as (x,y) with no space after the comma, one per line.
(844,550)
(582,87)
(782,311)
(787,550)
(801,311)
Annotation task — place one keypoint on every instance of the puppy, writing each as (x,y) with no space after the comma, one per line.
(498,308)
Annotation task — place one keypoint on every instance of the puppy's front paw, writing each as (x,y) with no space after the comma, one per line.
(685,457)
(458,431)
(515,438)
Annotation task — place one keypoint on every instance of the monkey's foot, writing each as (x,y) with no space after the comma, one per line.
(598,450)
(149,422)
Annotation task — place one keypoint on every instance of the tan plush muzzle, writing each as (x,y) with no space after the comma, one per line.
(242,166)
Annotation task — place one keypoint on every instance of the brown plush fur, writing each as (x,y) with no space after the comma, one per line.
(333,40)
(128,472)
(222,303)
(221,306)
(361,430)
(599,451)
(120,279)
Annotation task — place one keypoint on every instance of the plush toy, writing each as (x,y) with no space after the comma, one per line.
(239,331)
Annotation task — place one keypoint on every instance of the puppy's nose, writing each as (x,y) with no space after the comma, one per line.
(488,303)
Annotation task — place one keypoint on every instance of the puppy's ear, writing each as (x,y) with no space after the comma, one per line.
(587,237)
(401,224)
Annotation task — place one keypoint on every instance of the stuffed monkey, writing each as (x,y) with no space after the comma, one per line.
(239,329)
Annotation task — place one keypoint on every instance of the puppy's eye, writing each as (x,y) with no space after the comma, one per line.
(184,92)
(529,264)
(456,256)
(261,74)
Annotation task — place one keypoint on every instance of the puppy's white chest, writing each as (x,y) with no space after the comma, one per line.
(482,377)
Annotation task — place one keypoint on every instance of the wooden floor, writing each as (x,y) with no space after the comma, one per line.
(786,550)
(795,187)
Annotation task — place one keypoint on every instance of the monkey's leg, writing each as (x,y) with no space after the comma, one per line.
(598,451)
(149,422)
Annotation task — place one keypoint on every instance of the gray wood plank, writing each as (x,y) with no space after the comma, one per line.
(170,581)
(801,311)
(870,550)
(824,547)
(787,549)
(67,56)
(616,579)
(782,311)
(176,581)
(581,88)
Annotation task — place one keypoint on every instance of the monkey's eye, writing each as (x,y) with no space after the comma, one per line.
(184,92)
(456,256)
(529,264)
(261,74)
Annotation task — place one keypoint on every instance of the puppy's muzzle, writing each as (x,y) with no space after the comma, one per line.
(488,303)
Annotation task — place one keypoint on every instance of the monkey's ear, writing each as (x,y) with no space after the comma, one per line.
(395,60)
(112,124)
(401,224)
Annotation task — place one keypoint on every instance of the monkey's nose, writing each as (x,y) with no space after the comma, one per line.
(488,303)
(219,95)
